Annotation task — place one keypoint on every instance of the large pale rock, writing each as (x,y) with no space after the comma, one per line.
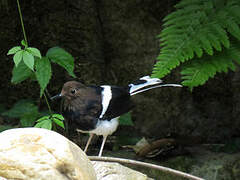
(40,154)
(115,171)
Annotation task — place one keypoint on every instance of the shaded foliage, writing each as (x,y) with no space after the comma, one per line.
(195,34)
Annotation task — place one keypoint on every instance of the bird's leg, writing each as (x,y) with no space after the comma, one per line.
(88,142)
(103,142)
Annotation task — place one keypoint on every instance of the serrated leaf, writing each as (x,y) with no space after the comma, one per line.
(58,116)
(198,71)
(28,59)
(46,124)
(34,52)
(43,72)
(233,28)
(62,58)
(20,73)
(14,50)
(17,58)
(58,122)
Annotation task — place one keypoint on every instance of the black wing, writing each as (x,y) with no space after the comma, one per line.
(119,104)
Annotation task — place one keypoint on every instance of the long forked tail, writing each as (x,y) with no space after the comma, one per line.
(146,83)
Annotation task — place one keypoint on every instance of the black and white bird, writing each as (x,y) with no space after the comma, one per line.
(96,109)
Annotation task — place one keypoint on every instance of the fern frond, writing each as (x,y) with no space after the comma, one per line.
(195,28)
(198,71)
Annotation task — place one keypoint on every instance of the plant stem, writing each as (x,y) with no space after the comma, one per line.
(21,19)
(26,42)
(45,97)
(50,111)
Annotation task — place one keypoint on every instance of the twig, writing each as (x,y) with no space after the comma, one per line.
(153,166)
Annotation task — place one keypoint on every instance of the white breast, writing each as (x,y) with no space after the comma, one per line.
(105,127)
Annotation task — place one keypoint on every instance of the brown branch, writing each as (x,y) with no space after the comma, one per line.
(138,163)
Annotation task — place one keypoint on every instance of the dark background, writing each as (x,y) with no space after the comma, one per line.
(114,42)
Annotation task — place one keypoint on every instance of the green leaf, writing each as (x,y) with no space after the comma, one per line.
(58,116)
(43,72)
(197,28)
(43,118)
(46,124)
(25,110)
(58,119)
(233,28)
(28,59)
(34,52)
(198,71)
(24,43)
(28,119)
(20,73)
(58,122)
(14,50)
(17,58)
(126,120)
(62,58)
(21,108)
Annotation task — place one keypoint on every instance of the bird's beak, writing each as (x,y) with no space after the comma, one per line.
(56,97)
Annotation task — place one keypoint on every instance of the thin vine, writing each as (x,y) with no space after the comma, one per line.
(26,42)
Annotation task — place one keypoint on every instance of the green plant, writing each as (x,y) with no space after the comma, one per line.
(126,119)
(28,114)
(30,64)
(202,36)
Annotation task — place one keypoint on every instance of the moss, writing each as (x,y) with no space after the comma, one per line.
(236,169)
(219,166)
(181,163)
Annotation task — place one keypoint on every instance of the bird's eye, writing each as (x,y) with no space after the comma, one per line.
(73,91)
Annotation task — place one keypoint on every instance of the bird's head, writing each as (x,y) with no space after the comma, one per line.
(70,90)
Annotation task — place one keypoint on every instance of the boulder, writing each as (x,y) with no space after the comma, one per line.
(40,154)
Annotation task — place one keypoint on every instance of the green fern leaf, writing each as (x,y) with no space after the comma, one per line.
(198,50)
(186,3)
(235,13)
(195,28)
(221,33)
(215,42)
(198,71)
(206,44)
(233,28)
